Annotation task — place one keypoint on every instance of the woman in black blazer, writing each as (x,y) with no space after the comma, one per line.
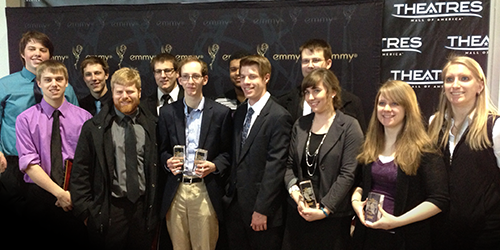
(398,162)
(323,149)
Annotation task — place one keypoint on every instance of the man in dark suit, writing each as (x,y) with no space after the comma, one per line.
(196,123)
(165,70)
(95,72)
(314,54)
(114,177)
(261,136)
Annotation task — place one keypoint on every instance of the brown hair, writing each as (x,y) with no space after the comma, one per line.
(329,80)
(94,60)
(318,45)
(164,57)
(262,63)
(35,36)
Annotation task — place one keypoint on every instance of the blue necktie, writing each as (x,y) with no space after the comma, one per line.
(246,126)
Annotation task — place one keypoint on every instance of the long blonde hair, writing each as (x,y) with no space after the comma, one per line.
(412,141)
(477,137)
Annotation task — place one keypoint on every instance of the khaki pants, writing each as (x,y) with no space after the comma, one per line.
(191,219)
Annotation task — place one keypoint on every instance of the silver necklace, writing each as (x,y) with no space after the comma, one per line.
(313,163)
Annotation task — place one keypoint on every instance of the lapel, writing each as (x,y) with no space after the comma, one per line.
(305,124)
(180,122)
(239,117)
(206,120)
(255,129)
(333,136)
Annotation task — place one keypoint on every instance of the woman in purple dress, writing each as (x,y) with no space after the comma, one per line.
(399,163)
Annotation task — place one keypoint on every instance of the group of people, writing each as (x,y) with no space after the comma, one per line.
(180,170)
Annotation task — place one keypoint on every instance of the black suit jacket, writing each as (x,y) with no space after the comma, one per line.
(94,164)
(151,102)
(337,162)
(88,102)
(258,168)
(215,136)
(429,184)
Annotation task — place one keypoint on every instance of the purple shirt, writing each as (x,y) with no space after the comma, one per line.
(384,177)
(34,130)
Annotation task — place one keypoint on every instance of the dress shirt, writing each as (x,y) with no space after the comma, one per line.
(16,95)
(257,108)
(192,130)
(119,187)
(34,130)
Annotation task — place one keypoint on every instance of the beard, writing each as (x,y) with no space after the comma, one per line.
(127,105)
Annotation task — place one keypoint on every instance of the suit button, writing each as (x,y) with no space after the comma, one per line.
(153,185)
(322,167)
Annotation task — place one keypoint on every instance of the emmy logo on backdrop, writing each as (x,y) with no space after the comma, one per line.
(262,49)
(294,14)
(120,51)
(193,17)
(76,52)
(166,49)
(242,15)
(212,51)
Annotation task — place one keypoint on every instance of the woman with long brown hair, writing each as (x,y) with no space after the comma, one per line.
(399,162)
(466,130)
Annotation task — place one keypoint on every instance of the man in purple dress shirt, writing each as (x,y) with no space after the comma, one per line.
(48,201)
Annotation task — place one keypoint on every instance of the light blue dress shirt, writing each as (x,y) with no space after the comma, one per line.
(16,95)
(193,128)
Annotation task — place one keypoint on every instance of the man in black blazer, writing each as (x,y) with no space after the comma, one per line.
(195,122)
(261,136)
(95,72)
(314,54)
(165,70)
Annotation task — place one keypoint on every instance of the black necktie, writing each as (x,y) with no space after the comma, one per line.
(131,161)
(37,92)
(56,150)
(246,126)
(165,98)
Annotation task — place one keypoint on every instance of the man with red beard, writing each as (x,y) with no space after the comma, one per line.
(114,177)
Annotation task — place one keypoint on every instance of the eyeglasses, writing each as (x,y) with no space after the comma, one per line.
(185,78)
(314,61)
(167,71)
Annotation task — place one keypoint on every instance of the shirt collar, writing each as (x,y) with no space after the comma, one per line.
(200,107)
(173,94)
(121,115)
(27,74)
(259,105)
(48,110)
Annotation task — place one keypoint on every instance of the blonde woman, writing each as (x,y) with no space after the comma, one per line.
(399,162)
(468,134)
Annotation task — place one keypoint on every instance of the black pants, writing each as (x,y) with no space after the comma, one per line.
(127,227)
(242,237)
(50,225)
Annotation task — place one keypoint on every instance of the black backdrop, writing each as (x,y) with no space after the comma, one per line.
(372,41)
(131,35)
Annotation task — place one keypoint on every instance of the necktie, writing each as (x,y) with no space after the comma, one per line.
(37,92)
(56,150)
(246,126)
(131,161)
(165,98)
(97,106)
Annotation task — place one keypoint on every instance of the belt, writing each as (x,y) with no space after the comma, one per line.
(190,180)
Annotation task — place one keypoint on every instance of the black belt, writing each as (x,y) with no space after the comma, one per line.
(190,180)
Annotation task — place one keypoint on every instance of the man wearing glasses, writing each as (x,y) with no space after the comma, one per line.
(164,68)
(192,198)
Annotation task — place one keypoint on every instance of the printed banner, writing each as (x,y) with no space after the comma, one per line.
(420,36)
(130,36)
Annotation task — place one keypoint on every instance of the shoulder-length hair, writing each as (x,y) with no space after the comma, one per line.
(477,137)
(412,141)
